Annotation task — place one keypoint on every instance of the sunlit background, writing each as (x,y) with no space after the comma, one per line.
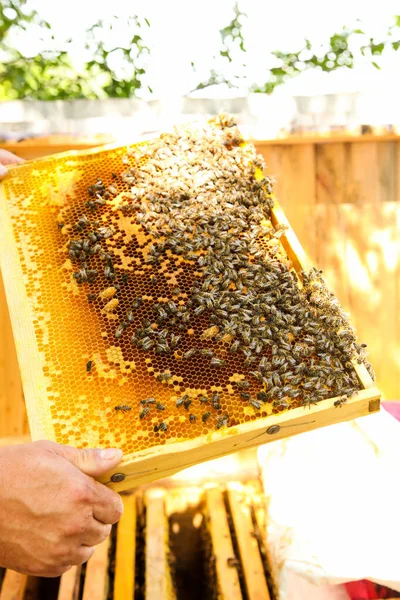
(209,53)
(182,33)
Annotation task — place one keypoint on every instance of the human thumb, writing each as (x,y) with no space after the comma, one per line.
(92,461)
(3,171)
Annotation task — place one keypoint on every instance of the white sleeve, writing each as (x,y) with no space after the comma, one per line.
(333,501)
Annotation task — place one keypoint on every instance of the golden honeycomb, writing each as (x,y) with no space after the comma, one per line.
(95,376)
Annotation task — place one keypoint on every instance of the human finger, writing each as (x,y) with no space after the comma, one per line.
(8,158)
(81,555)
(95,533)
(107,505)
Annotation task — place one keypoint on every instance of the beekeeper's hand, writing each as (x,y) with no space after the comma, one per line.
(6,158)
(52,512)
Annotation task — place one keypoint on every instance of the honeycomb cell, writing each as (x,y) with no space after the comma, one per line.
(165,273)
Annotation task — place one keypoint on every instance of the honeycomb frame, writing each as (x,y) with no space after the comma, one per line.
(164,457)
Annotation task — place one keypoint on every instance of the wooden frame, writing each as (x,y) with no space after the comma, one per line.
(158,581)
(164,460)
(44,146)
(14,586)
(227,578)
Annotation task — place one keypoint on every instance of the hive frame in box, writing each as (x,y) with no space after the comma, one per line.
(165,460)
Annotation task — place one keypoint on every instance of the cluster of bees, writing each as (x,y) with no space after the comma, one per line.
(195,193)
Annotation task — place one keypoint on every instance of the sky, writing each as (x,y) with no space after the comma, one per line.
(183,31)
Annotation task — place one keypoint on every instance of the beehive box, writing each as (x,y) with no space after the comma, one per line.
(111,305)
(171,543)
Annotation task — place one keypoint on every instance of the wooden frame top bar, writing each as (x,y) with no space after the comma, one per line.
(55,144)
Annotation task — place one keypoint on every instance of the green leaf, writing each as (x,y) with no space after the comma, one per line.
(225,54)
(376,65)
(377,49)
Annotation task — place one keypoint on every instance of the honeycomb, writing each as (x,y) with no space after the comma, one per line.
(130,356)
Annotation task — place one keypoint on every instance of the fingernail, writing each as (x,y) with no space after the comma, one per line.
(3,171)
(110,453)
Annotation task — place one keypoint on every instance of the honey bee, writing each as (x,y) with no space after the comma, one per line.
(109,272)
(206,352)
(144,412)
(224,420)
(105,232)
(89,365)
(309,401)
(264,364)
(215,401)
(255,404)
(95,249)
(242,384)
(187,403)
(281,404)
(257,375)
(262,396)
(122,408)
(217,362)
(82,222)
(120,329)
(164,377)
(81,276)
(249,360)
(137,302)
(148,401)
(205,416)
(338,403)
(181,401)
(192,418)
(163,348)
(147,343)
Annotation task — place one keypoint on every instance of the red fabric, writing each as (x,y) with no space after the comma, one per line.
(361,590)
(366,590)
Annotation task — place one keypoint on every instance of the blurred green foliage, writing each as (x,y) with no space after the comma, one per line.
(231,39)
(342,50)
(50,75)
(292,63)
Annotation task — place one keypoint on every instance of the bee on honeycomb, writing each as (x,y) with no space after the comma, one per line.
(178,257)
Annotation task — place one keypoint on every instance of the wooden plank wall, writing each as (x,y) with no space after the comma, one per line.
(343,200)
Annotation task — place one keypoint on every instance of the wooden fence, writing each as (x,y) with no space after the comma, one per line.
(342,197)
(343,201)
